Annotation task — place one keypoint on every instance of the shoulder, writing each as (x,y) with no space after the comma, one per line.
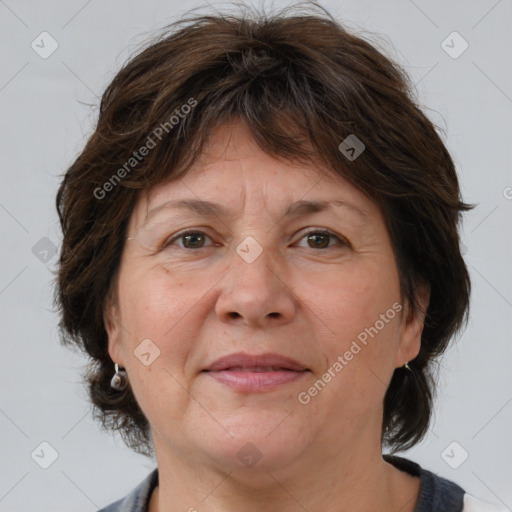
(438,494)
(137,500)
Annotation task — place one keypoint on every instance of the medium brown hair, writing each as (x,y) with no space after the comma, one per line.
(303,83)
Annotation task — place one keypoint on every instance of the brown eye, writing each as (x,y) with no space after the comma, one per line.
(189,239)
(318,240)
(322,240)
(193,240)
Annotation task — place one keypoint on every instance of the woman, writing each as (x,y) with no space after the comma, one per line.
(261,257)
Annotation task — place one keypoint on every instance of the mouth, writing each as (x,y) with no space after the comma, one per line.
(247,373)
(256,369)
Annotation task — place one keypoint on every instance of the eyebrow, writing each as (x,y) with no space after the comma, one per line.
(296,209)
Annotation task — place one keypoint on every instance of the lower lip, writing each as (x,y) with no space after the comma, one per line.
(255,381)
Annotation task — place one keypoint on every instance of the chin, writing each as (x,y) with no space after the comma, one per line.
(256,446)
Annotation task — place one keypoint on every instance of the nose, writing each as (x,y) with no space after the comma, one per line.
(255,294)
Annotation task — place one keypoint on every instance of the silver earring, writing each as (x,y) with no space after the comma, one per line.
(119,380)
(406,366)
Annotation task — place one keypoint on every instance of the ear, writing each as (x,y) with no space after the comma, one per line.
(412,327)
(112,323)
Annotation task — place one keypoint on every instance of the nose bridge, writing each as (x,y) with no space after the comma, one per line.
(255,264)
(255,292)
(256,268)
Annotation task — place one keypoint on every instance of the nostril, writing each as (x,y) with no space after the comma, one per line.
(234,314)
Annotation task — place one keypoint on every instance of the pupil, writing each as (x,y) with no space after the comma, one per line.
(315,238)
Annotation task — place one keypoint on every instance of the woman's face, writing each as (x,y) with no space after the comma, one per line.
(259,276)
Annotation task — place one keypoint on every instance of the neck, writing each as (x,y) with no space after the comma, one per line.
(322,480)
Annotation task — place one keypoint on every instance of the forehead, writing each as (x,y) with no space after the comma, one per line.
(231,151)
(232,167)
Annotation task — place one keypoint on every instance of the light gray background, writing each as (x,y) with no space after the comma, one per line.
(43,124)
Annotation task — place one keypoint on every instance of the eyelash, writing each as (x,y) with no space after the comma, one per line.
(171,240)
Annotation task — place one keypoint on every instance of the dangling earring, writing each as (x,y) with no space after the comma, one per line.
(119,380)
(406,366)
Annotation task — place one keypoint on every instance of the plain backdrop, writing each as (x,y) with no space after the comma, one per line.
(44,122)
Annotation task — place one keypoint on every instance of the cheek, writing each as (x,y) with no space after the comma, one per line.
(357,316)
(159,394)
(157,307)
(349,300)
(155,299)
(358,357)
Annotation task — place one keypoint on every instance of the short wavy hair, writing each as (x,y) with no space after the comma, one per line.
(303,83)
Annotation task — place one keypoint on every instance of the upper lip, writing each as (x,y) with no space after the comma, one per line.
(267,360)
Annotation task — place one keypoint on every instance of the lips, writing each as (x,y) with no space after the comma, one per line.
(267,362)
(246,373)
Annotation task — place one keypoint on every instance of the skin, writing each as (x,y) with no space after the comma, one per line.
(305,302)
